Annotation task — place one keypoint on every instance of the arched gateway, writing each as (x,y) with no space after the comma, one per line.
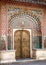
(24,40)
(22,43)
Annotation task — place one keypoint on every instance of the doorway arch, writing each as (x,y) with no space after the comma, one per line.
(27,20)
(27,53)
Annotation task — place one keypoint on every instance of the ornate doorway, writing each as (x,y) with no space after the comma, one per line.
(22,43)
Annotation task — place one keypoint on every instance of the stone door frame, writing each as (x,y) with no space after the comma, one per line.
(30,30)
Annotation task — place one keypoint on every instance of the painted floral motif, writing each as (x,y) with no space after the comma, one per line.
(31,18)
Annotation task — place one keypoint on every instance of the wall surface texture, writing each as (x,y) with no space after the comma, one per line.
(12,15)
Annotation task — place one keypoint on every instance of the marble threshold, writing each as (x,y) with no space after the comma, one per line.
(20,60)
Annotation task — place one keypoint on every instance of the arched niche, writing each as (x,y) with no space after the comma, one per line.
(27,20)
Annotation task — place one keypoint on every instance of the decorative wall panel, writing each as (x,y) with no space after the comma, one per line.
(3,26)
(23,17)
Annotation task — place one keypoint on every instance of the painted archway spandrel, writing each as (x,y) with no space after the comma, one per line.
(15,11)
(24,17)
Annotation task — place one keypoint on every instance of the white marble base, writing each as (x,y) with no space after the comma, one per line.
(39,54)
(7,56)
(7,61)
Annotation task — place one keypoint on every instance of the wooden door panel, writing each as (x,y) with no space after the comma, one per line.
(22,44)
(25,44)
(17,43)
(25,52)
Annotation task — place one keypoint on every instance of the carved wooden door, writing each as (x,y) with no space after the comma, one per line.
(25,44)
(22,43)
